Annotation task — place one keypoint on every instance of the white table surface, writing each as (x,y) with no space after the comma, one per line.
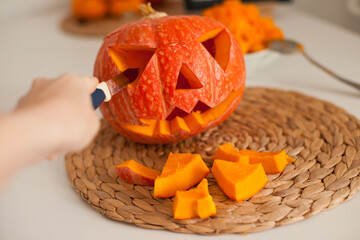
(39,202)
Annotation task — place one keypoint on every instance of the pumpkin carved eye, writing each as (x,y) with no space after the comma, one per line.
(187,80)
(217,42)
(131,60)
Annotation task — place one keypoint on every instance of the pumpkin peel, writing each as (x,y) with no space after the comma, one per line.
(181,171)
(135,173)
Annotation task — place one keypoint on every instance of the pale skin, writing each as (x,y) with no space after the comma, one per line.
(55,116)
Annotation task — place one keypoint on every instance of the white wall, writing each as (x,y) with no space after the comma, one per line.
(345,13)
(18,7)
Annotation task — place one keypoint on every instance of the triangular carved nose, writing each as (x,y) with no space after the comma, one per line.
(187,79)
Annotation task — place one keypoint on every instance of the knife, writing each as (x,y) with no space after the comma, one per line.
(105,90)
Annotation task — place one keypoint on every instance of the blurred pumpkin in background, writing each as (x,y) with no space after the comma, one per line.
(119,7)
(245,22)
(97,9)
(89,9)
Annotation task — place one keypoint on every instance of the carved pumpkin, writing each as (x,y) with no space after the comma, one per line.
(188,75)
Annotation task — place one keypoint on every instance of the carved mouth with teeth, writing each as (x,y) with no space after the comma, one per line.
(180,85)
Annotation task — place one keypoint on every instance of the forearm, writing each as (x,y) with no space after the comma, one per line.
(54,116)
(24,137)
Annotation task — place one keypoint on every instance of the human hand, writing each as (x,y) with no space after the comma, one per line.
(64,107)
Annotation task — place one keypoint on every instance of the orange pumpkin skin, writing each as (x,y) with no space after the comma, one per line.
(163,50)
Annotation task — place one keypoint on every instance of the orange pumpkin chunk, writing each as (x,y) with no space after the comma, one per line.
(273,162)
(178,124)
(181,171)
(239,181)
(194,203)
(228,152)
(250,29)
(135,173)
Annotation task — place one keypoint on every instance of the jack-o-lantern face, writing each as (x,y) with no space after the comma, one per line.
(187,73)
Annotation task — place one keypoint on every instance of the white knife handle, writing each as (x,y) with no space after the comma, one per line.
(104,87)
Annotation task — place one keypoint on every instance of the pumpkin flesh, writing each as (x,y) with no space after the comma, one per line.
(194,203)
(239,181)
(181,171)
(228,152)
(273,162)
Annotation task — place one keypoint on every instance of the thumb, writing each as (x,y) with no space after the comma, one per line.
(91,83)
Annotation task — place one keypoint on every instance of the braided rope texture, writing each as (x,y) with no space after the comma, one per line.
(323,138)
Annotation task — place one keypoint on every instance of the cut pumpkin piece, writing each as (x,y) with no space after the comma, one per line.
(178,128)
(228,152)
(135,173)
(178,124)
(273,162)
(194,203)
(194,121)
(181,171)
(239,181)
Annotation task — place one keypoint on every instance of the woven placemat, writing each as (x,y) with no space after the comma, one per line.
(323,138)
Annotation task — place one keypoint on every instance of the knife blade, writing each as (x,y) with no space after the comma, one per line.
(105,90)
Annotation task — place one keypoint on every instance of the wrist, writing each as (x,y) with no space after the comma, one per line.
(36,132)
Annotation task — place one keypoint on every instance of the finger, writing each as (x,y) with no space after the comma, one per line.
(68,75)
(38,82)
(21,102)
(91,83)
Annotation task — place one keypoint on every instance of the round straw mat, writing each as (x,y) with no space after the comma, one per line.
(323,138)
